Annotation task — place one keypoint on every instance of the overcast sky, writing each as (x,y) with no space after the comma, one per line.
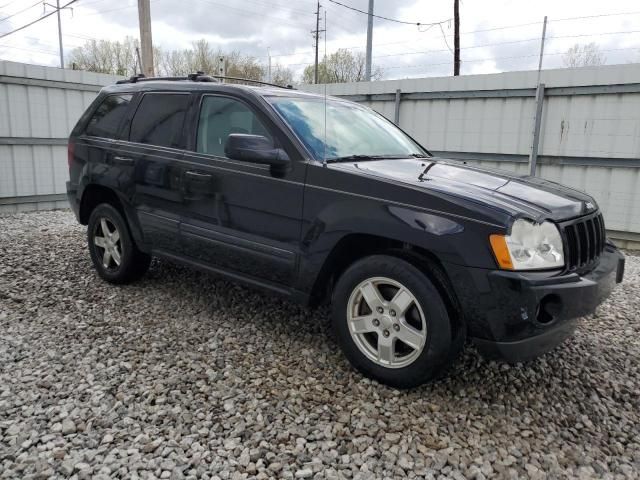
(497,35)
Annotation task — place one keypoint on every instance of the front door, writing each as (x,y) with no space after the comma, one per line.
(240,217)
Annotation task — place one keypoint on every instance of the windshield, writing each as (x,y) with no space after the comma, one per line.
(352,130)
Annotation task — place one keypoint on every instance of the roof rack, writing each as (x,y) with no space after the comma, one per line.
(198,77)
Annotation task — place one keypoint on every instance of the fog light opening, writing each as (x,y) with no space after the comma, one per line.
(549,309)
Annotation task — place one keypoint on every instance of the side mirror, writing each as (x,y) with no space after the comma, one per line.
(255,149)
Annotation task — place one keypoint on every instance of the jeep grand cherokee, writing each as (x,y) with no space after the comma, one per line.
(323,200)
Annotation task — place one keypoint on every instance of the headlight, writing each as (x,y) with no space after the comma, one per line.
(531,246)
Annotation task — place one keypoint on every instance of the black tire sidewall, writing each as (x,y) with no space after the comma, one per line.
(436,354)
(122,273)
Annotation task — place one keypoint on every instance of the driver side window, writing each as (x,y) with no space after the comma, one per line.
(219,118)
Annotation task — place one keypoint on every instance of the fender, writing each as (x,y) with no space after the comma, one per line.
(444,237)
(85,187)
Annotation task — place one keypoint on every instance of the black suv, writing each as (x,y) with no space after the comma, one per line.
(324,200)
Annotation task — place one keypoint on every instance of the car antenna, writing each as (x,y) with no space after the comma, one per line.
(324,148)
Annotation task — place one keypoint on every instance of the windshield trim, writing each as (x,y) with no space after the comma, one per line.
(336,100)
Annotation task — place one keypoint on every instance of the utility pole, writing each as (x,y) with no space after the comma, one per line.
(544,34)
(367,73)
(146,44)
(269,70)
(57,7)
(317,34)
(60,35)
(456,38)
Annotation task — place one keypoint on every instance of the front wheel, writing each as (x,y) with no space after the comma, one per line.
(113,251)
(392,323)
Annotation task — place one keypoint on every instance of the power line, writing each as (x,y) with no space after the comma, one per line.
(8,3)
(506,43)
(494,44)
(278,5)
(46,52)
(595,34)
(19,12)
(502,58)
(594,16)
(423,52)
(37,20)
(98,12)
(249,12)
(387,18)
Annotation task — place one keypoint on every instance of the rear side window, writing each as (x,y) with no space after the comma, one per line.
(108,116)
(159,119)
(222,116)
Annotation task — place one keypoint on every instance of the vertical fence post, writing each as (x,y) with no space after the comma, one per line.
(533,158)
(396,115)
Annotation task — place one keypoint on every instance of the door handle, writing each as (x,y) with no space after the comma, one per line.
(123,160)
(197,175)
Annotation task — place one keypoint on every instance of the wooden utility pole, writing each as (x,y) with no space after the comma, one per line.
(146,43)
(456,37)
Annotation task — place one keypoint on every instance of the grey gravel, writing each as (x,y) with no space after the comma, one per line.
(186,376)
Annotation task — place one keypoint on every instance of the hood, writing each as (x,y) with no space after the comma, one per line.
(527,196)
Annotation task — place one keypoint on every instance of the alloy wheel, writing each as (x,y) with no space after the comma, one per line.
(386,322)
(106,238)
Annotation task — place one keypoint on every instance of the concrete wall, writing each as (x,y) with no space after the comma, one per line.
(589,138)
(38,108)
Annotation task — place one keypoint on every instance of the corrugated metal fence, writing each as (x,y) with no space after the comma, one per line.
(589,138)
(38,108)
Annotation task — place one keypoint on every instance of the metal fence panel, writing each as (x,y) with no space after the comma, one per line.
(590,127)
(38,108)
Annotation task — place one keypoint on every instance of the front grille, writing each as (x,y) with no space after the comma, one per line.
(584,241)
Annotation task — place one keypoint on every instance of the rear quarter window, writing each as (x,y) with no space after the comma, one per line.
(159,119)
(107,118)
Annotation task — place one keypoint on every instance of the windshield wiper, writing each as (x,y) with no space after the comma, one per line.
(361,158)
(419,155)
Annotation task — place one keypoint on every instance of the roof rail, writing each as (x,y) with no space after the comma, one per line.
(194,77)
(222,77)
(198,77)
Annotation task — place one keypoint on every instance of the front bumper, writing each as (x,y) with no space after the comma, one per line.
(518,316)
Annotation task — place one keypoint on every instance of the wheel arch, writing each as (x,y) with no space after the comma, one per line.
(356,246)
(94,194)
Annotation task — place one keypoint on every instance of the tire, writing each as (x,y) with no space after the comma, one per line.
(405,306)
(114,253)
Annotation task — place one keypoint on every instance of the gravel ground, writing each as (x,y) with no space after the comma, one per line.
(183,375)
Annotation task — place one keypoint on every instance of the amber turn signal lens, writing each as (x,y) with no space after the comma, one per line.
(501,251)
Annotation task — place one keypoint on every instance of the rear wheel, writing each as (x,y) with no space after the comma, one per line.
(392,323)
(113,252)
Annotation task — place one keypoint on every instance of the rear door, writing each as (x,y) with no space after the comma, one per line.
(241,217)
(154,150)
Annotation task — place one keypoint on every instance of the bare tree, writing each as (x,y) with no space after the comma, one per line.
(104,56)
(244,66)
(340,67)
(174,63)
(583,55)
(281,75)
(119,58)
